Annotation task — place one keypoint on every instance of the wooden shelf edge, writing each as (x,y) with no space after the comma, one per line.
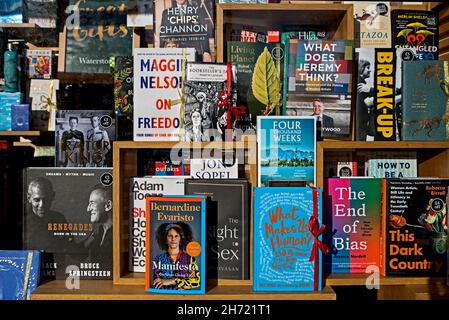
(360,280)
(383,144)
(105,290)
(18,25)
(20,133)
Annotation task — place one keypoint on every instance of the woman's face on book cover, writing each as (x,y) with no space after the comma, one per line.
(173,239)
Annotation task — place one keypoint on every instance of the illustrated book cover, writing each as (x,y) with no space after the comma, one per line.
(140,189)
(176,245)
(372,24)
(287,149)
(286,253)
(228,245)
(68,215)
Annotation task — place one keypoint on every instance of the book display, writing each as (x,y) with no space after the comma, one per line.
(224,150)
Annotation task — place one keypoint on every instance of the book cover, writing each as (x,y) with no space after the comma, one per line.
(141,188)
(206,111)
(287,149)
(68,215)
(352,218)
(376,98)
(158,92)
(6,101)
(228,242)
(372,24)
(415,214)
(332,112)
(84,138)
(176,245)
(285,258)
(20,117)
(260,75)
(44,13)
(43,94)
(416,29)
(346,168)
(186,24)
(319,66)
(167,168)
(11,11)
(123,71)
(98,35)
(39,64)
(393,165)
(140,13)
(19,273)
(425,100)
(209,168)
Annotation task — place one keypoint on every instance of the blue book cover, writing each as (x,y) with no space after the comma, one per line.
(6,101)
(176,244)
(11,11)
(425,100)
(19,273)
(20,117)
(287,149)
(283,243)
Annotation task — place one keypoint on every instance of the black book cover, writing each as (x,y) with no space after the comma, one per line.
(68,215)
(230,236)
(416,227)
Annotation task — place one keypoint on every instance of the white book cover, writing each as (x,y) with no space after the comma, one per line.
(158,91)
(140,188)
(213,169)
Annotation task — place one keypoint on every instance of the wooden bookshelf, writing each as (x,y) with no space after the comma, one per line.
(125,167)
(338,19)
(360,280)
(18,25)
(106,290)
(20,133)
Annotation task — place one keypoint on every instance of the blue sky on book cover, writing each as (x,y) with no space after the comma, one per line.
(282,240)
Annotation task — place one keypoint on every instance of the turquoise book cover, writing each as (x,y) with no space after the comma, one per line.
(96,31)
(287,239)
(287,149)
(425,100)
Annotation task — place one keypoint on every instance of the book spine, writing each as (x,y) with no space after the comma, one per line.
(383,226)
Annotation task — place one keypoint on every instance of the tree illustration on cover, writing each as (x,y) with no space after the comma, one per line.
(434,220)
(413,35)
(266,83)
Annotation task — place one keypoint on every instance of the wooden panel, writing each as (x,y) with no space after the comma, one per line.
(19,133)
(400,292)
(105,290)
(62,50)
(360,280)
(429,292)
(18,25)
(384,144)
(434,164)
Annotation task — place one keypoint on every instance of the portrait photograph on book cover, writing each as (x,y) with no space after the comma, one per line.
(175,260)
(68,214)
(84,138)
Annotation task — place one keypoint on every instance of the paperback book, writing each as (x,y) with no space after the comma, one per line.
(176,245)
(372,24)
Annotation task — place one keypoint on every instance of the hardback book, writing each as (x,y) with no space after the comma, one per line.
(176,245)
(83,138)
(158,91)
(332,113)
(260,75)
(20,117)
(347,168)
(39,64)
(43,94)
(187,24)
(19,273)
(11,11)
(352,218)
(140,189)
(44,13)
(415,227)
(286,254)
(425,97)
(167,168)
(123,71)
(68,214)
(101,34)
(318,66)
(6,101)
(228,238)
(210,168)
(372,24)
(376,97)
(341,164)
(207,114)
(393,165)
(287,149)
(416,29)
(140,13)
